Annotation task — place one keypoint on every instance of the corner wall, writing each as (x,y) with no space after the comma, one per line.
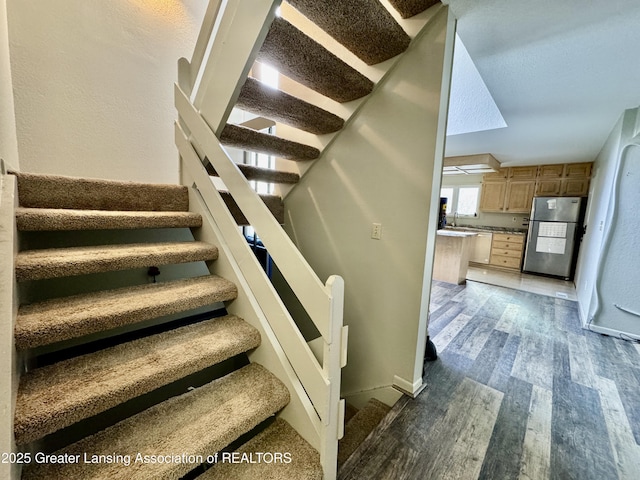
(8,140)
(598,214)
(93,83)
(384,167)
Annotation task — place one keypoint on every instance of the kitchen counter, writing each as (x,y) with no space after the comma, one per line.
(453,248)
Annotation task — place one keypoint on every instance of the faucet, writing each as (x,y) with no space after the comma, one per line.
(455,216)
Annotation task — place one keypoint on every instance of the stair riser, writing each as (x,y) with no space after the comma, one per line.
(200,422)
(264,101)
(48,191)
(41,219)
(363,26)
(59,395)
(82,315)
(300,58)
(247,139)
(43,264)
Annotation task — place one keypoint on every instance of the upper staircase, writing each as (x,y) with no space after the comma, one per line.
(365,27)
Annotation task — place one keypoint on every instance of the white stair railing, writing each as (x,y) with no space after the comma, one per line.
(228,43)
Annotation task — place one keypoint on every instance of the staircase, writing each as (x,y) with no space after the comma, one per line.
(189,369)
(365,27)
(140,383)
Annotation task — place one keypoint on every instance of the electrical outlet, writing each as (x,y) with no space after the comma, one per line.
(376,231)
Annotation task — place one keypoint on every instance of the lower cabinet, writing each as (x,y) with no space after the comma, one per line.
(506,250)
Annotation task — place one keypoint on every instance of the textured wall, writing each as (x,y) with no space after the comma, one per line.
(8,141)
(614,267)
(93,84)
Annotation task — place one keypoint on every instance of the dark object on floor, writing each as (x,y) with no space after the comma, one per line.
(430,353)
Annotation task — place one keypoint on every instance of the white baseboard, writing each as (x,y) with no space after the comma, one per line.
(610,331)
(408,388)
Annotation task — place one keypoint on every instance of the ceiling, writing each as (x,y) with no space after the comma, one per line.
(561,72)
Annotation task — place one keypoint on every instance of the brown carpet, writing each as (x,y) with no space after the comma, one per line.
(52,191)
(48,219)
(58,395)
(363,26)
(61,319)
(359,427)
(264,101)
(278,437)
(302,59)
(409,8)
(248,139)
(273,202)
(65,262)
(200,422)
(260,174)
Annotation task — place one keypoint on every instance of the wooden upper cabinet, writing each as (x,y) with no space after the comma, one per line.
(523,173)
(577,170)
(519,197)
(574,187)
(548,187)
(501,174)
(492,196)
(550,171)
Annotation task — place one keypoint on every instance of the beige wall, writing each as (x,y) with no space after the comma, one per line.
(8,360)
(380,169)
(93,84)
(8,141)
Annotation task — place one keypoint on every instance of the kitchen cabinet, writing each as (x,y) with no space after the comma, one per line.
(577,170)
(500,174)
(548,187)
(481,251)
(506,250)
(523,173)
(550,171)
(567,180)
(574,187)
(492,196)
(511,190)
(519,197)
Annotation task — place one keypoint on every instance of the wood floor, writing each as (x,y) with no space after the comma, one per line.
(520,391)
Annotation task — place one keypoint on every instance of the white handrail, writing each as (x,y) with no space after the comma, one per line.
(314,379)
(301,278)
(232,32)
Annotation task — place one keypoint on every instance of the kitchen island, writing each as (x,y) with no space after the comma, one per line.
(451,261)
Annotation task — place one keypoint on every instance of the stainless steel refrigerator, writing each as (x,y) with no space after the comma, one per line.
(555,230)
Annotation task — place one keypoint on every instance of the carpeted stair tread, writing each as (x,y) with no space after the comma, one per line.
(273,202)
(200,422)
(365,27)
(58,395)
(64,318)
(279,437)
(271,103)
(248,139)
(409,8)
(260,174)
(360,426)
(50,219)
(302,59)
(53,191)
(66,262)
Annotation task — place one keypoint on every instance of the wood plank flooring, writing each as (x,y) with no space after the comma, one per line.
(520,391)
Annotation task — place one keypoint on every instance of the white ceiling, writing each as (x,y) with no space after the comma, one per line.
(560,71)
